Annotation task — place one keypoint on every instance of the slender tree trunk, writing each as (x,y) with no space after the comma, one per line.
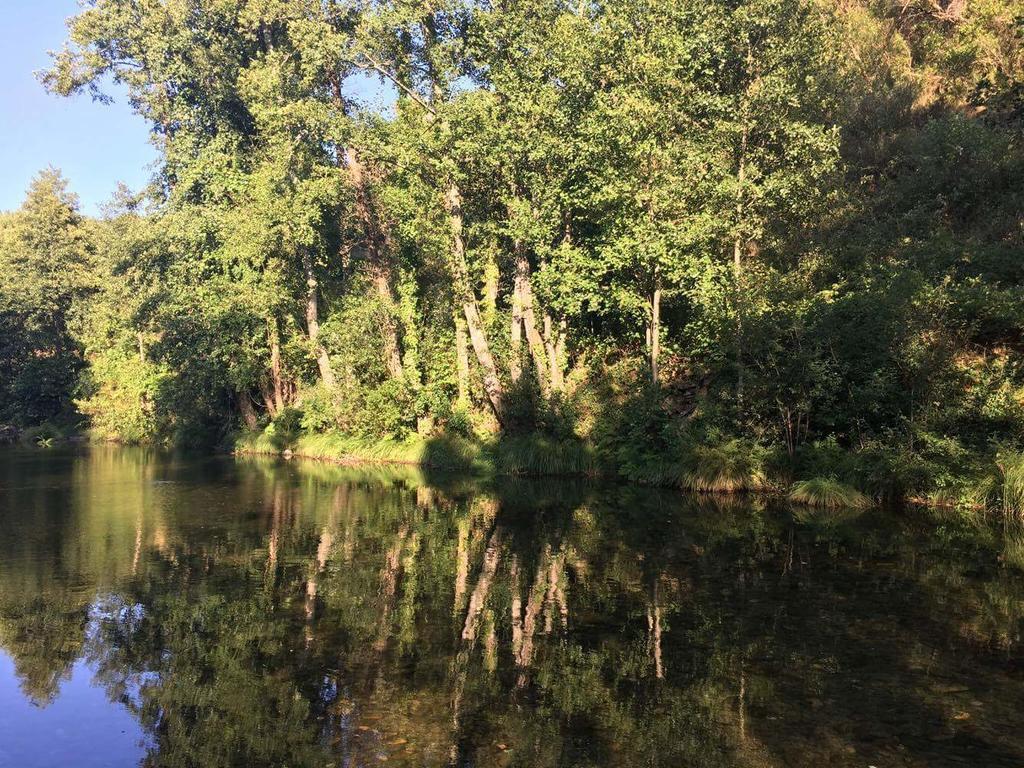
(379,248)
(563,331)
(478,339)
(534,338)
(737,250)
(493,387)
(275,364)
(743,703)
(655,330)
(462,357)
(524,320)
(492,276)
(323,361)
(554,345)
(452,200)
(737,268)
(515,363)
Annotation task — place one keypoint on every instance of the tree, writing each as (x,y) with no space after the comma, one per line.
(45,261)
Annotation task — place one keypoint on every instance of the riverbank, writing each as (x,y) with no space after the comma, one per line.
(818,477)
(520,456)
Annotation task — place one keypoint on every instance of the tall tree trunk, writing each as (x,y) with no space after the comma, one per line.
(655,329)
(553,345)
(563,331)
(524,320)
(462,357)
(379,249)
(493,387)
(275,364)
(268,399)
(515,363)
(323,361)
(492,276)
(247,411)
(737,249)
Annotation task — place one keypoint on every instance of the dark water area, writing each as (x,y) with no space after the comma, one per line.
(168,611)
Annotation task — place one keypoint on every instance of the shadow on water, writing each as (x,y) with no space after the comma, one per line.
(266,613)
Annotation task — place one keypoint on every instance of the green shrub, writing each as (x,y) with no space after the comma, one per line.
(46,434)
(389,411)
(286,428)
(120,397)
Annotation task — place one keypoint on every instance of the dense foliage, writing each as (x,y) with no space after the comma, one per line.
(720,244)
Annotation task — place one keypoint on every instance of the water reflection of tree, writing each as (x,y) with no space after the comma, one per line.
(301,617)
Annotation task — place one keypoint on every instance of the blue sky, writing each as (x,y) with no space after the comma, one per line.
(95,145)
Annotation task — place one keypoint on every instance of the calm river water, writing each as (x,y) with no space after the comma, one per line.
(167,611)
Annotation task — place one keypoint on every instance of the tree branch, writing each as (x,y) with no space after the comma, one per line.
(380,69)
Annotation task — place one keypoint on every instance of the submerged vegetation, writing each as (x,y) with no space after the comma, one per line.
(723,246)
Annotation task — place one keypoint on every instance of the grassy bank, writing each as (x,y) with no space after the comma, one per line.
(817,477)
(533,456)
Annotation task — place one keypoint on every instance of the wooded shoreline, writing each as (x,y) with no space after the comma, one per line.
(718,246)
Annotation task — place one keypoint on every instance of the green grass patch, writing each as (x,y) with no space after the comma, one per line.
(538,456)
(531,455)
(827,493)
(444,452)
(729,468)
(1013,550)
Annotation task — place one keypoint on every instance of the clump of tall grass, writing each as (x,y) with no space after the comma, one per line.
(729,468)
(827,493)
(348,448)
(255,442)
(1011,484)
(537,455)
(1013,550)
